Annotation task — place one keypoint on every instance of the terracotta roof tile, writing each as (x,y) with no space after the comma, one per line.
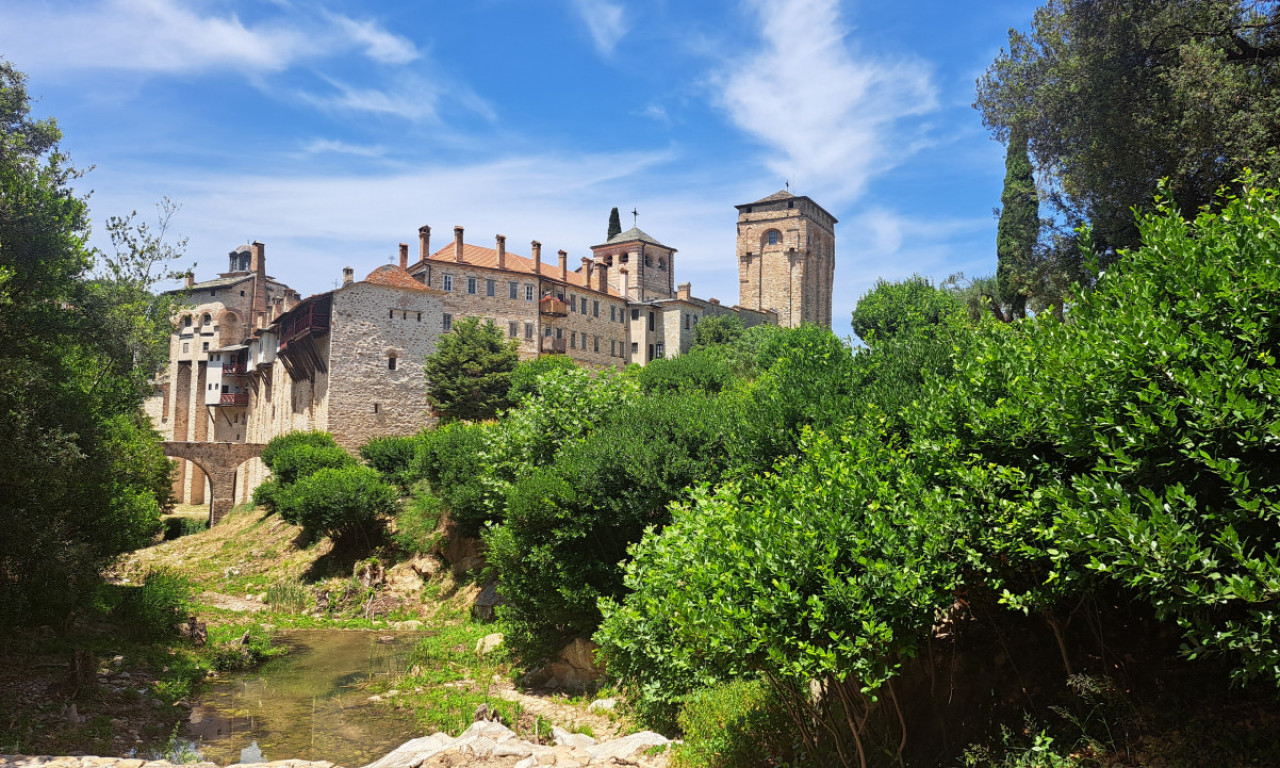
(478,256)
(392,276)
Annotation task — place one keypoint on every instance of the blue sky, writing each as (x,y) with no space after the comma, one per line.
(332,130)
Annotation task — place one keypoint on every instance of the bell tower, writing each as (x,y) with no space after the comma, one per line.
(787,258)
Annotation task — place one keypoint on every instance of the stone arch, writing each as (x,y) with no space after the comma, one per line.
(220,463)
(772,236)
(229,328)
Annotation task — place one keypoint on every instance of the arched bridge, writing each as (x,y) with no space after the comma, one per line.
(219,462)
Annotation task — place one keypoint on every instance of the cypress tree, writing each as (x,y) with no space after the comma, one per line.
(615,224)
(1019,229)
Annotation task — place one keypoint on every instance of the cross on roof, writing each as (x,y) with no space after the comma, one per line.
(635,218)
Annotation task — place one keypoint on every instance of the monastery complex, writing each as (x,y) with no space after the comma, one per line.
(251,359)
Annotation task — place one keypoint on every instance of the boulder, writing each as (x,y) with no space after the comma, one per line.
(487,601)
(627,746)
(488,643)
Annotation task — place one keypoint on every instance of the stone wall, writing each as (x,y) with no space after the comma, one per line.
(373,325)
(792,272)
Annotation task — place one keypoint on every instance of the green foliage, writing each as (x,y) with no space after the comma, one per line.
(469,374)
(337,501)
(156,607)
(702,370)
(1114,97)
(295,455)
(448,458)
(393,457)
(1019,229)
(893,309)
(1130,452)
(84,479)
(525,377)
(418,522)
(719,329)
(734,725)
(615,224)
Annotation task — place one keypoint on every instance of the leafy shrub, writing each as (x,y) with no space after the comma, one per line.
(267,494)
(156,607)
(418,522)
(721,329)
(893,308)
(527,373)
(176,527)
(338,501)
(449,458)
(699,371)
(393,457)
(292,440)
(734,725)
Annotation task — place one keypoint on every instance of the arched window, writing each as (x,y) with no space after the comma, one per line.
(774,236)
(208,319)
(186,321)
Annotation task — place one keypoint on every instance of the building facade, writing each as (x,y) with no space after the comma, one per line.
(250,359)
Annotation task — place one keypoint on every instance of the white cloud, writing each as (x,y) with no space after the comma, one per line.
(656,112)
(604,21)
(380,45)
(832,115)
(413,101)
(324,146)
(168,36)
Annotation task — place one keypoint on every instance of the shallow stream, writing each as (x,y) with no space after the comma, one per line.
(311,704)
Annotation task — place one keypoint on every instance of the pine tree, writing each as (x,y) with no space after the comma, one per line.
(469,374)
(615,224)
(1019,229)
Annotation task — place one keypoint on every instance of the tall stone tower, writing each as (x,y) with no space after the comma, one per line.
(787,258)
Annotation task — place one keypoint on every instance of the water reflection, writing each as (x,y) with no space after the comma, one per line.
(310,705)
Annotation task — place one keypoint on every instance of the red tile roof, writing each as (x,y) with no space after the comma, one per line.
(478,256)
(392,276)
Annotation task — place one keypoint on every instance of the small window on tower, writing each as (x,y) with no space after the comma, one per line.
(391,363)
(773,237)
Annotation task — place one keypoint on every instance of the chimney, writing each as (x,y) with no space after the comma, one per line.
(404,256)
(424,242)
(536,256)
(602,277)
(622,283)
(457,244)
(564,266)
(684,291)
(587,267)
(714,301)
(258,258)
(348,274)
(190,279)
(502,251)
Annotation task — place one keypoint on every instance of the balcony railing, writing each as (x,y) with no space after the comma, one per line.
(234,369)
(312,320)
(554,307)
(552,346)
(234,398)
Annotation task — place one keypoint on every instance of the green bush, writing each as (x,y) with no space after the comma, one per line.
(393,457)
(702,370)
(448,458)
(176,527)
(156,607)
(525,378)
(418,522)
(338,501)
(734,725)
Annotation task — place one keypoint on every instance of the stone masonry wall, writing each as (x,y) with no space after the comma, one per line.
(372,324)
(792,277)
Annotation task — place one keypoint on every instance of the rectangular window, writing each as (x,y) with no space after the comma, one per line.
(528,330)
(573,339)
(573,303)
(514,289)
(595,344)
(448,322)
(448,283)
(595,308)
(512,329)
(471,285)
(559,333)
(650,353)
(528,292)
(546,331)
(613,313)
(584,305)
(686,321)
(206,346)
(659,350)
(635,348)
(186,347)
(391,363)
(613,347)
(391,314)
(652,317)
(490,287)
(635,314)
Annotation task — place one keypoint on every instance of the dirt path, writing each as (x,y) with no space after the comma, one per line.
(557,709)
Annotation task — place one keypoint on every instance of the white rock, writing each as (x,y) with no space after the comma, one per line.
(603,705)
(486,644)
(565,739)
(413,752)
(627,746)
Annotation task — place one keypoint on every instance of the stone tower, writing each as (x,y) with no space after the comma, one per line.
(787,258)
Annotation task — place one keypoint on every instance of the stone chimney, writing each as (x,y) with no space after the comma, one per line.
(457,244)
(602,277)
(622,283)
(587,270)
(714,301)
(684,291)
(404,256)
(190,279)
(424,242)
(348,275)
(258,265)
(257,257)
(536,255)
(502,251)
(564,265)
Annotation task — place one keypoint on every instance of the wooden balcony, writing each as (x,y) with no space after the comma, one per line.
(553,307)
(234,369)
(552,346)
(234,398)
